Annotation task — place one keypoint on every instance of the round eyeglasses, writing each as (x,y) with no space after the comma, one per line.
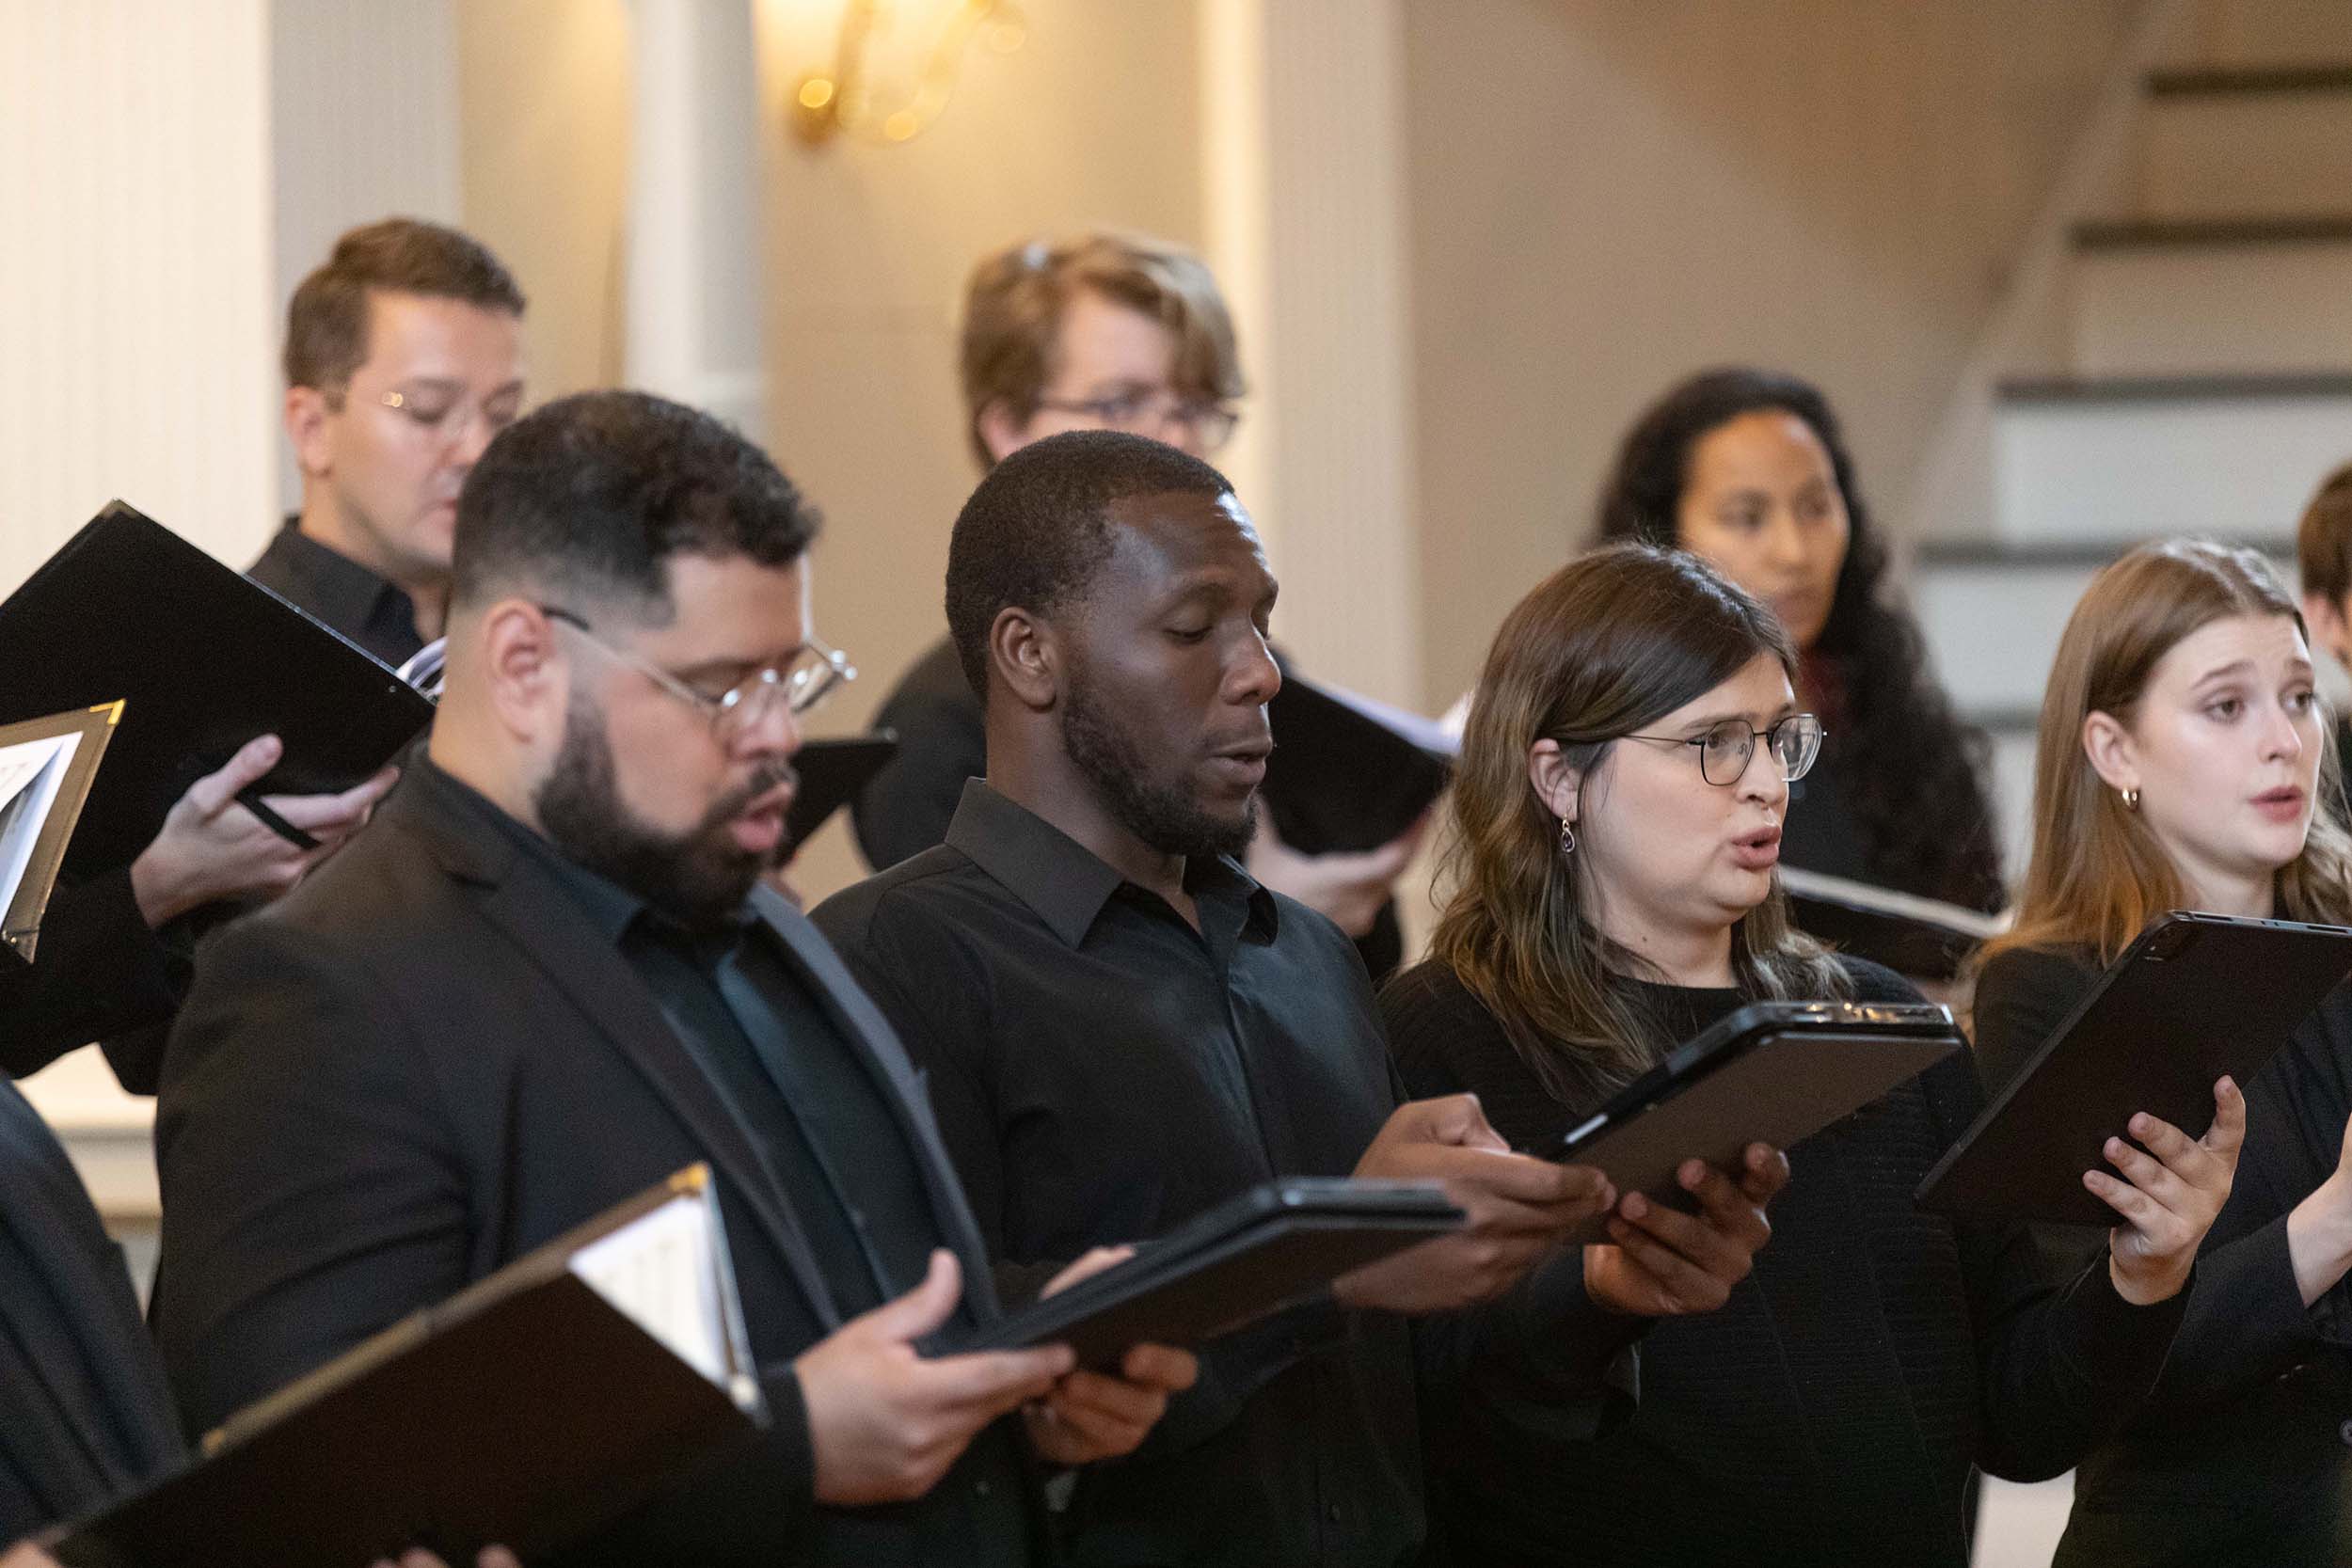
(1794,742)
(813,674)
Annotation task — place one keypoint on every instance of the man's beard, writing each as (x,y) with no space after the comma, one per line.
(699,878)
(1159,814)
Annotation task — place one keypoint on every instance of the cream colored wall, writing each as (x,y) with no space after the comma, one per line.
(1092,121)
(1606,197)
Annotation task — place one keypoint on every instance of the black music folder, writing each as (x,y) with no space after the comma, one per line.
(831,771)
(1772,1073)
(46,769)
(1924,938)
(207,659)
(545,1401)
(1349,773)
(1254,1254)
(2195,996)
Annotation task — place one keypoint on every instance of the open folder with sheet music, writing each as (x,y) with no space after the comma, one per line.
(539,1404)
(46,769)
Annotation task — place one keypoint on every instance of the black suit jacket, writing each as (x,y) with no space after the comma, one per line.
(97,974)
(83,1412)
(424,1063)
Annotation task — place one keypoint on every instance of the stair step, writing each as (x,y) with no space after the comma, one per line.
(2244,310)
(2250,80)
(2254,32)
(2150,233)
(2211,155)
(2146,458)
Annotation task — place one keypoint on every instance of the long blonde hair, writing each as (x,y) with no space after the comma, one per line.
(1612,641)
(2098,874)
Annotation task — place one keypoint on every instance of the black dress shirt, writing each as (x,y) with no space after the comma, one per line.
(2245,1453)
(337,591)
(829,1140)
(943,741)
(1830,1411)
(1102,1071)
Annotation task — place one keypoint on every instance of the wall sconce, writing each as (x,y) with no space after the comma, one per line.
(844,98)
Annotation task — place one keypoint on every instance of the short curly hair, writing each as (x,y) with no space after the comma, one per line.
(1038,527)
(595,494)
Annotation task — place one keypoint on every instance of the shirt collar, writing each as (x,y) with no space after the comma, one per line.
(344,592)
(1065,883)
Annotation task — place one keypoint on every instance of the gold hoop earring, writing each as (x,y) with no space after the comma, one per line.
(1568,837)
(2131,800)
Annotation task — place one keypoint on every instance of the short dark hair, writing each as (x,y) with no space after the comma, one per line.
(594,493)
(1038,527)
(2323,544)
(326,324)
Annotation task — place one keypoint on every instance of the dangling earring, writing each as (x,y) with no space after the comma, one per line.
(1568,837)
(2131,800)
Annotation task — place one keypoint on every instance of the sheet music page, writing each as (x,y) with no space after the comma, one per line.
(662,1272)
(31,773)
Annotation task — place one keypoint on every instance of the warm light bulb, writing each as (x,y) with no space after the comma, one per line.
(815,92)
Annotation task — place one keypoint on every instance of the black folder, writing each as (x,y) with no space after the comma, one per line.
(831,771)
(528,1410)
(1349,773)
(2194,997)
(38,814)
(1772,1073)
(1924,938)
(1251,1255)
(207,659)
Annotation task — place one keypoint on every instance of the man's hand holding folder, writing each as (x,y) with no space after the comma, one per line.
(1522,1209)
(886,1423)
(212,847)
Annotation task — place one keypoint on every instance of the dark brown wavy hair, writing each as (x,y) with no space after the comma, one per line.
(1606,646)
(1898,742)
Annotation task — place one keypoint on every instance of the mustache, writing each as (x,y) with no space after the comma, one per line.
(769,777)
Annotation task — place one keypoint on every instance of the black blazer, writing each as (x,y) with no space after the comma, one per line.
(83,1412)
(97,974)
(425,1062)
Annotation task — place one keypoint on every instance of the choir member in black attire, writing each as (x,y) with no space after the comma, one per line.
(1748,470)
(2181,765)
(1618,811)
(1106,331)
(403,358)
(1121,1028)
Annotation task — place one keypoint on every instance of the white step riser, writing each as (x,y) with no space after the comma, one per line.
(2265,32)
(2013,799)
(2214,309)
(1994,630)
(2129,470)
(2235,155)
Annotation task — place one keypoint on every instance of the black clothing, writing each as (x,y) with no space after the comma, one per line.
(337,591)
(1829,1412)
(1102,1073)
(97,974)
(942,740)
(2245,1453)
(85,1414)
(1823,833)
(432,1058)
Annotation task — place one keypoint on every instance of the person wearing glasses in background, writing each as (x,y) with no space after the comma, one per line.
(547,978)
(1106,331)
(1617,821)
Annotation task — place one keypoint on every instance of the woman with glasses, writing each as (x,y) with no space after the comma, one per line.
(1748,470)
(1617,817)
(2181,765)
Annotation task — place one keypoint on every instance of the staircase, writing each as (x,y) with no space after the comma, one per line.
(2206,384)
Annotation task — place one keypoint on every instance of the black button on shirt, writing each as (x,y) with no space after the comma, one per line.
(336,590)
(1102,1072)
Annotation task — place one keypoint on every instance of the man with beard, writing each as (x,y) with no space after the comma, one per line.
(549,977)
(1122,1028)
